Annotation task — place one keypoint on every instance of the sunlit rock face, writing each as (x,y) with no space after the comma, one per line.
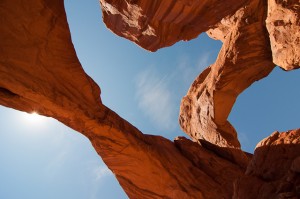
(39,71)
(283,23)
(156,24)
(245,57)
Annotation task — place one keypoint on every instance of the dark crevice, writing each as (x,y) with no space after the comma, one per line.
(5,93)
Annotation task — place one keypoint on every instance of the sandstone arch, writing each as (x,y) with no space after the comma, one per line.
(40,72)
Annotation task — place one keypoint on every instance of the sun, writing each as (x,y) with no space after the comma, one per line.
(34,118)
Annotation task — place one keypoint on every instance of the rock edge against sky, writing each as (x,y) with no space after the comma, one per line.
(41,72)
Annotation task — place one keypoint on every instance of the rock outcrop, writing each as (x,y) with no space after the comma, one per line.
(274,169)
(244,58)
(283,23)
(39,71)
(156,24)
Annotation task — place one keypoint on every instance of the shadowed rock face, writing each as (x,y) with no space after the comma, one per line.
(274,171)
(39,71)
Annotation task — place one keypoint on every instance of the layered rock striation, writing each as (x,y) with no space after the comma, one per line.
(39,71)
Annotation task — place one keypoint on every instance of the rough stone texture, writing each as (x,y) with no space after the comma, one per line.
(39,71)
(38,65)
(243,59)
(283,23)
(274,169)
(155,24)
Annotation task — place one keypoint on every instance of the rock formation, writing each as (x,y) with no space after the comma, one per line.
(283,23)
(274,169)
(39,71)
(243,59)
(156,24)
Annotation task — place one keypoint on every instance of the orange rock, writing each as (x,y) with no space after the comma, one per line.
(156,24)
(273,171)
(245,57)
(283,23)
(39,71)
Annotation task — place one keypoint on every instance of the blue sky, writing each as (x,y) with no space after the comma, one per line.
(41,158)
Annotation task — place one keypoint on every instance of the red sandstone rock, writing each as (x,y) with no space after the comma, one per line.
(243,59)
(283,23)
(155,24)
(273,171)
(39,71)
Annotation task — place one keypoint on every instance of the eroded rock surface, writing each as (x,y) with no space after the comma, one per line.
(156,24)
(245,57)
(274,169)
(39,71)
(283,23)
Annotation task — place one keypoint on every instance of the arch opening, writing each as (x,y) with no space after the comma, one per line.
(268,105)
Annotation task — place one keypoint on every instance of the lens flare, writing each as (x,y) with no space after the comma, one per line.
(34,118)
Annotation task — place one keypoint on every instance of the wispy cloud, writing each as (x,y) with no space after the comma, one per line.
(188,71)
(159,95)
(155,98)
(101,172)
(96,170)
(245,141)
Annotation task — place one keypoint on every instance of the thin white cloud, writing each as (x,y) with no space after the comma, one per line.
(158,96)
(244,140)
(101,172)
(96,170)
(155,98)
(188,71)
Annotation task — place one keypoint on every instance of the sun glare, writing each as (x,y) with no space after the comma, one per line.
(34,118)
